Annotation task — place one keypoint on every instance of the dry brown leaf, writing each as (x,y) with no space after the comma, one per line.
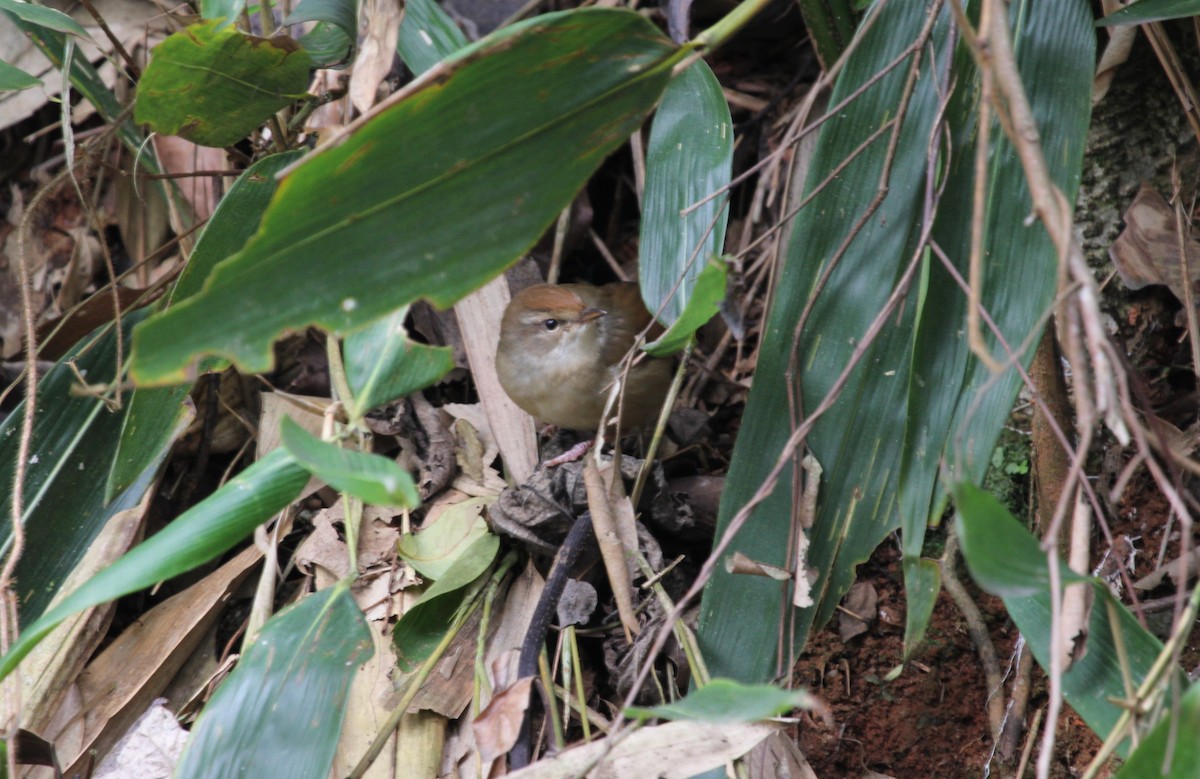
(150,749)
(323,547)
(738,563)
(498,725)
(375,55)
(612,550)
(142,217)
(1147,250)
(778,757)
(675,750)
(461,756)
(479,317)
(135,669)
(49,675)
(181,156)
(858,610)
(306,411)
(371,700)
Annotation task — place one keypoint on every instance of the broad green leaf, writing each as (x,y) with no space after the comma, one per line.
(74,440)
(858,442)
(956,406)
(332,41)
(688,158)
(434,550)
(724,700)
(280,713)
(382,364)
(373,478)
(868,451)
(427,35)
(46,18)
(1176,735)
(1151,11)
(204,531)
(422,627)
(14,78)
(432,196)
(465,568)
(1005,559)
(214,85)
(153,413)
(705,301)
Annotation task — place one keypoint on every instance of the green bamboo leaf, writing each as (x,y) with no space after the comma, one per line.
(280,713)
(74,440)
(703,304)
(858,442)
(688,158)
(14,78)
(1006,560)
(331,42)
(863,442)
(214,84)
(87,82)
(373,478)
(724,700)
(46,18)
(956,406)
(204,531)
(1151,11)
(382,364)
(1171,750)
(427,35)
(431,197)
(154,413)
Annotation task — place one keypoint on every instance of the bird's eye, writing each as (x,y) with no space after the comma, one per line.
(550,324)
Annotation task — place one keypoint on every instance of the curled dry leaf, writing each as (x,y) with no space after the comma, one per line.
(1147,250)
(498,725)
(858,610)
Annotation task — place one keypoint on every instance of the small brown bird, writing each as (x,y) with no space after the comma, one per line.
(561,347)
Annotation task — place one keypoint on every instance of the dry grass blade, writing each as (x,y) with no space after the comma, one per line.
(612,548)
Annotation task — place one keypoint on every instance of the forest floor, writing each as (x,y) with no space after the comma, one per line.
(928,722)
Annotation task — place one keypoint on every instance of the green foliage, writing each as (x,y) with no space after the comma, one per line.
(296,675)
(213,84)
(398,208)
(724,700)
(436,193)
(918,400)
(1005,560)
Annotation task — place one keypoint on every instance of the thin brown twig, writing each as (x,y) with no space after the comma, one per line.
(977,630)
(24,446)
(135,73)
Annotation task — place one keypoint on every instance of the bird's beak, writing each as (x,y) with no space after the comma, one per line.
(591,314)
